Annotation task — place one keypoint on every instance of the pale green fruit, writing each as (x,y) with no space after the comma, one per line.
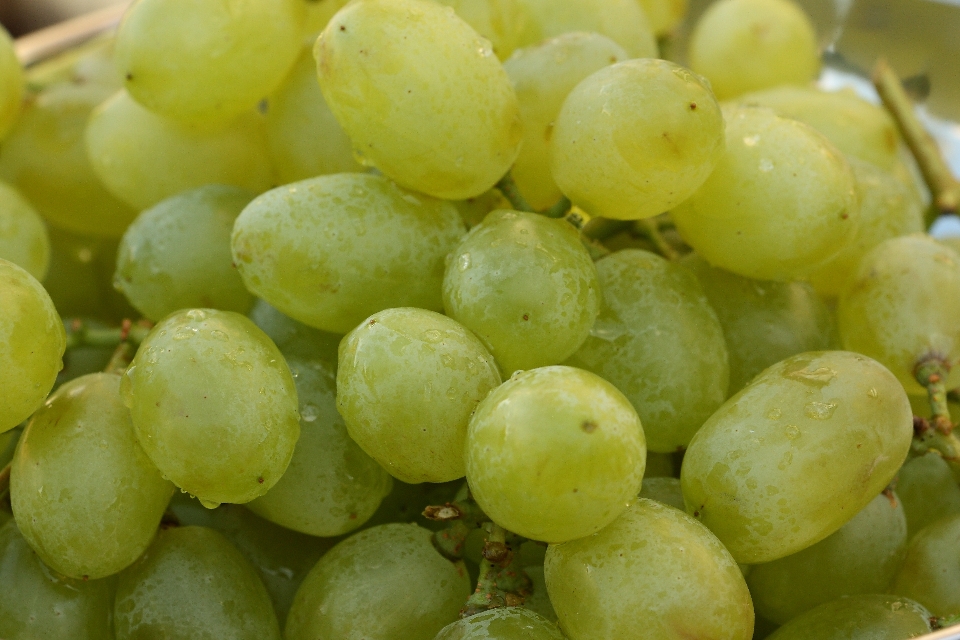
(863,617)
(505,623)
(23,236)
(930,573)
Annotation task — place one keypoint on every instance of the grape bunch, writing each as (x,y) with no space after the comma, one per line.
(471,320)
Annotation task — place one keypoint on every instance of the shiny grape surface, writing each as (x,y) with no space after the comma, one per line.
(864,617)
(510,623)
(11,82)
(23,236)
(930,573)
(503,22)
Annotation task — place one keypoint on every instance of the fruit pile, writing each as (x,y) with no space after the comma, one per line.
(470,320)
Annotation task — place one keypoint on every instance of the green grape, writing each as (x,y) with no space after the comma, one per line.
(144,158)
(747,45)
(331,486)
(388,66)
(294,339)
(305,139)
(900,307)
(664,490)
(384,583)
(623,21)
(861,557)
(198,61)
(543,75)
(319,13)
(214,405)
(408,382)
(32,342)
(888,209)
(526,286)
(659,342)
(23,236)
(797,453)
(538,600)
(11,83)
(636,139)
(176,255)
(86,496)
(772,164)
(555,454)
(351,245)
(930,573)
(654,573)
(36,603)
(45,158)
(660,465)
(502,22)
(474,210)
(664,15)
(863,617)
(927,490)
(505,623)
(8,444)
(763,321)
(856,127)
(192,583)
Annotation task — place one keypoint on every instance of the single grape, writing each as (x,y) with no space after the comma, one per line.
(664,490)
(900,307)
(407,384)
(543,75)
(331,486)
(623,21)
(32,342)
(384,583)
(36,602)
(861,557)
(927,490)
(214,405)
(526,286)
(664,15)
(636,138)
(930,573)
(176,255)
(555,454)
(772,164)
(388,66)
(747,45)
(763,321)
(797,453)
(201,61)
(192,583)
(502,22)
(144,158)
(505,623)
(45,158)
(294,339)
(86,496)
(659,342)
(11,83)
(23,236)
(654,573)
(863,617)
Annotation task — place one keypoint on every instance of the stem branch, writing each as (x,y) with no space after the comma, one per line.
(650,228)
(510,191)
(502,581)
(80,333)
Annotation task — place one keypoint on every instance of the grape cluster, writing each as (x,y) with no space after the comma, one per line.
(468,320)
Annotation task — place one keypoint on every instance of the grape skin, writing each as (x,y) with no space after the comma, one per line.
(11,83)
(509,623)
(863,617)
(23,236)
(928,491)
(929,573)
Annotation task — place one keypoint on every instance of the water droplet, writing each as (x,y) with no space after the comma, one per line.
(464,262)
(818,377)
(820,410)
(872,393)
(219,335)
(209,504)
(185,333)
(792,432)
(432,335)
(774,414)
(309,412)
(766,165)
(751,141)
(197,314)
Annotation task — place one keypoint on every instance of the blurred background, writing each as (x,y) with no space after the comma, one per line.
(23,16)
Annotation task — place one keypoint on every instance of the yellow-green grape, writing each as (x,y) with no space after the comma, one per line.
(659,342)
(45,158)
(388,66)
(505,623)
(85,494)
(526,286)
(747,45)
(331,486)
(23,236)
(11,83)
(32,342)
(888,208)
(772,164)
(192,583)
(407,384)
(176,255)
(763,321)
(201,61)
(623,21)
(305,138)
(384,583)
(293,338)
(555,454)
(861,557)
(660,465)
(654,573)
(543,75)
(214,405)
(863,617)
(901,305)
(36,602)
(318,16)
(927,490)
(797,454)
(664,490)
(538,600)
(664,15)
(144,158)
(332,250)
(636,139)
(856,127)
(930,573)
(503,22)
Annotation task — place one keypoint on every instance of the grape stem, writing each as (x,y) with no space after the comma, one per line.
(80,333)
(650,229)
(463,515)
(560,209)
(936,434)
(502,582)
(121,358)
(508,187)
